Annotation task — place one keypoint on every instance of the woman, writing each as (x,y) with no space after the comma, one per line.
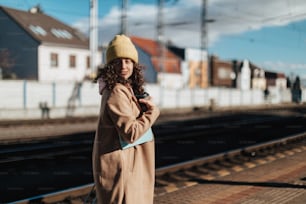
(123,175)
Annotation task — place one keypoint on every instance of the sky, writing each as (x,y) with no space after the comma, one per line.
(271,34)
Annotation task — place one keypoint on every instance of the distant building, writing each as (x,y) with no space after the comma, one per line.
(275,79)
(44,48)
(244,76)
(166,71)
(281,81)
(222,73)
(194,66)
(258,77)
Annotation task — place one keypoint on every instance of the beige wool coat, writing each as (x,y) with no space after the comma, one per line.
(123,176)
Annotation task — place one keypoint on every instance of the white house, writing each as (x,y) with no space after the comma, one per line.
(244,77)
(43,48)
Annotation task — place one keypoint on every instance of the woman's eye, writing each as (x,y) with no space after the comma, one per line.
(117,63)
(128,61)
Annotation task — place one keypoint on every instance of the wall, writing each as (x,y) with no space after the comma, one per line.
(63,72)
(150,73)
(22,48)
(170,81)
(221,73)
(197,73)
(21,99)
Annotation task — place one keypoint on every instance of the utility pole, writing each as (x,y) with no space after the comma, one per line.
(204,40)
(161,48)
(93,35)
(203,26)
(161,38)
(124,17)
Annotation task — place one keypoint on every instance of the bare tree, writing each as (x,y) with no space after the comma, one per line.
(6,62)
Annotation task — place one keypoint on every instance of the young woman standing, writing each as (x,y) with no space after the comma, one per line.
(123,176)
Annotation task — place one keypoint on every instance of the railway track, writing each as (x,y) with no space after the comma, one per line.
(34,150)
(188,129)
(70,158)
(173,177)
(65,145)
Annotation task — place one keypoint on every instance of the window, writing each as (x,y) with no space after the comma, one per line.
(88,62)
(54,60)
(72,61)
(38,30)
(60,33)
(224,73)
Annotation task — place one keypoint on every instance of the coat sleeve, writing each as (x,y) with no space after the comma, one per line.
(124,112)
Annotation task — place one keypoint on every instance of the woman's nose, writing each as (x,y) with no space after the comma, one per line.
(123,63)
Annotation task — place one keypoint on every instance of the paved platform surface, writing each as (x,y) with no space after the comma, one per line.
(278,179)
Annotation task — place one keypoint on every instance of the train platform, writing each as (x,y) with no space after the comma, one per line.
(276,179)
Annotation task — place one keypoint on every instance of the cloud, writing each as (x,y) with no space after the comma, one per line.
(287,68)
(230,18)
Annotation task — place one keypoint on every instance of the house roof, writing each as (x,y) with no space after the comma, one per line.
(151,47)
(180,52)
(281,75)
(253,66)
(46,29)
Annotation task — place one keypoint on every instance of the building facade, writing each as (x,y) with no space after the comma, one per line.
(44,48)
(222,72)
(162,69)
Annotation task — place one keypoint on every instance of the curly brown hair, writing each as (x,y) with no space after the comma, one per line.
(111,76)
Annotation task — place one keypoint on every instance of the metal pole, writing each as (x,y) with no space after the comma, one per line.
(93,35)
(24,94)
(161,48)
(160,35)
(124,17)
(53,94)
(204,39)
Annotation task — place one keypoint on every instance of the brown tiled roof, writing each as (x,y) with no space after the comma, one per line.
(171,63)
(26,19)
(151,47)
(171,66)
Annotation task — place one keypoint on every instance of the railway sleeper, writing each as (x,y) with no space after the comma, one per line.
(201,170)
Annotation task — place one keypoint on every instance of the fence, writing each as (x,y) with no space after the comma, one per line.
(23,99)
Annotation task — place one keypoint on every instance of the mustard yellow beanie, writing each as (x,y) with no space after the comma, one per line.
(121,47)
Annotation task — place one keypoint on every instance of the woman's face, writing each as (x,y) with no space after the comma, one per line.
(125,67)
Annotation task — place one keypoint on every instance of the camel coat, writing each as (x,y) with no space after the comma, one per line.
(123,176)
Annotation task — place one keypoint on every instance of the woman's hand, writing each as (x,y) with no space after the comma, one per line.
(148,101)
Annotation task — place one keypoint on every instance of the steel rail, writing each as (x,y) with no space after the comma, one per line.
(85,191)
(163,134)
(45,150)
(245,150)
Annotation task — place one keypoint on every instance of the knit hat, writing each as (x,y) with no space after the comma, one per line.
(121,47)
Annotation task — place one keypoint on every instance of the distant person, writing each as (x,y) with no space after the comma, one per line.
(123,176)
(45,110)
(296,90)
(266,94)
